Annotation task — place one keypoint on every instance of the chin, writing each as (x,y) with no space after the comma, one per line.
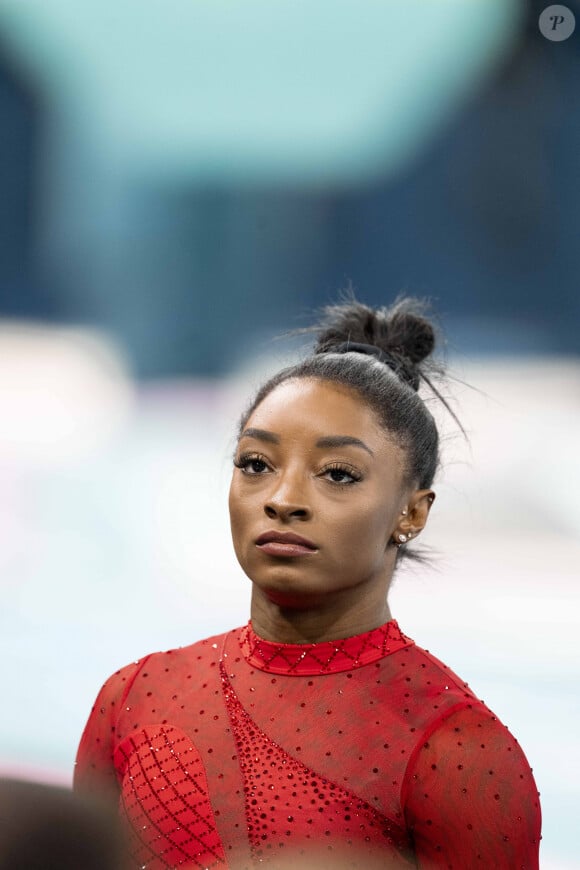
(284,590)
(291,600)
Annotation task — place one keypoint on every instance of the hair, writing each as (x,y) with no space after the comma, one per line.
(404,338)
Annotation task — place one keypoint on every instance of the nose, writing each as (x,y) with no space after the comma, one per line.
(276,509)
(287,499)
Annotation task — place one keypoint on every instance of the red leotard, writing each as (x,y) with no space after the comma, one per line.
(363,752)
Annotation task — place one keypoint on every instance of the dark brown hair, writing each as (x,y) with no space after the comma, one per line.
(407,337)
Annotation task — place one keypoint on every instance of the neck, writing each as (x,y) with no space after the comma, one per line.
(315,624)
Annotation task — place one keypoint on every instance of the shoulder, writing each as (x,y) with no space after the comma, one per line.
(193,656)
(469,794)
(424,687)
(435,672)
(457,728)
(443,713)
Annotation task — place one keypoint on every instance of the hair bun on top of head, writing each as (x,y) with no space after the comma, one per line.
(400,335)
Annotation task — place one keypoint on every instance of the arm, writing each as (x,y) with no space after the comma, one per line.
(94,767)
(469,796)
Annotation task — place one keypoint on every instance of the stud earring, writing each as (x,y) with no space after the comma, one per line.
(404,512)
(403,539)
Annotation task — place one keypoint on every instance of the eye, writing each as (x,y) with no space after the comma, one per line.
(342,470)
(250,460)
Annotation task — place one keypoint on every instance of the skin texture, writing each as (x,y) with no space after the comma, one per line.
(293,485)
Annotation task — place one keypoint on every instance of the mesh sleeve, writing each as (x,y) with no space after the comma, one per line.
(469,796)
(94,767)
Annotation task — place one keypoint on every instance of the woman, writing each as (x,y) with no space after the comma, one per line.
(319,735)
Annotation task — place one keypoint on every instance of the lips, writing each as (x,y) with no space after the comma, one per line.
(285,538)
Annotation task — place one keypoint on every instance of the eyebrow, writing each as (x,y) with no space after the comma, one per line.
(327,441)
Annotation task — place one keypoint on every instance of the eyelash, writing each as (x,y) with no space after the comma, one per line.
(245,459)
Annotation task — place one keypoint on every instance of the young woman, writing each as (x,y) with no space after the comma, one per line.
(319,735)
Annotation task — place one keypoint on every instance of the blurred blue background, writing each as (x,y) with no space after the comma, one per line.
(183,180)
(190,175)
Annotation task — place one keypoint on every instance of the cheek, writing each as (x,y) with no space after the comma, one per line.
(240,507)
(368,528)
(234,507)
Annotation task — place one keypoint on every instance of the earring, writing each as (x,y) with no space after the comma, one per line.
(403,539)
(404,512)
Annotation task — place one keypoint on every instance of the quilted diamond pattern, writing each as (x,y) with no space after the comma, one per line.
(164,799)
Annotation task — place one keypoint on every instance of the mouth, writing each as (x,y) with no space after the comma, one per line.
(285,544)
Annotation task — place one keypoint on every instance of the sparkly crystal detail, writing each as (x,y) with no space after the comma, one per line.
(289,804)
(164,797)
(328,657)
(402,743)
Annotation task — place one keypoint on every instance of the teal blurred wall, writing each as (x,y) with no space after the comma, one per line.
(197,176)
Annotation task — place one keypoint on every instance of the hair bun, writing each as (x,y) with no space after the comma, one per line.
(401,330)
(410,334)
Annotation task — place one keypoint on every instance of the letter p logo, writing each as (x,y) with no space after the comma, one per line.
(557,23)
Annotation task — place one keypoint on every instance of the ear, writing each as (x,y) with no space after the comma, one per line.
(413,517)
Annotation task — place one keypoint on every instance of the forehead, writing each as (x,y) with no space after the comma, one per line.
(305,408)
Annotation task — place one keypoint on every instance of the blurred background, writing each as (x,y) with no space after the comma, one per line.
(181,181)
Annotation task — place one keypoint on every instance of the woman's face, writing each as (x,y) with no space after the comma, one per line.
(293,475)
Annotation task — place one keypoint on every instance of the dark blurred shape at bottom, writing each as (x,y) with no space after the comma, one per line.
(44,827)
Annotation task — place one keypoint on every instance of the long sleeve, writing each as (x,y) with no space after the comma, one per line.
(470,799)
(94,767)
(245,748)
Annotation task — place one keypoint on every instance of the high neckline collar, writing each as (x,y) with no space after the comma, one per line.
(326,657)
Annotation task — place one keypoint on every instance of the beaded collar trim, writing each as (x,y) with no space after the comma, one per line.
(328,657)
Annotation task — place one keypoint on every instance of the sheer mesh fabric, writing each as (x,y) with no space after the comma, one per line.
(365,752)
